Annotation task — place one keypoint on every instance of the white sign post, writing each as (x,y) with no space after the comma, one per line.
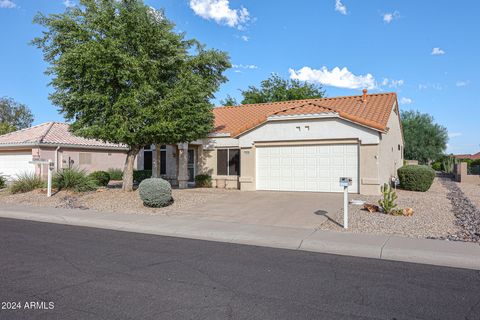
(345,183)
(49,178)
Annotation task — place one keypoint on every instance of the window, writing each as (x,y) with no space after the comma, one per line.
(163,159)
(228,162)
(85,158)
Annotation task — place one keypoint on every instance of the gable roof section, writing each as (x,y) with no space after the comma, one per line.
(52,133)
(373,113)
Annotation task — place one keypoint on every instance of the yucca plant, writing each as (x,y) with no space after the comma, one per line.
(74,179)
(25,182)
(387,203)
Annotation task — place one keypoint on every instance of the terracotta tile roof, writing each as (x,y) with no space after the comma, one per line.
(51,133)
(373,113)
(468,156)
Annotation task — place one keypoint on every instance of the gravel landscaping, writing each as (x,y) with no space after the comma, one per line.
(112,200)
(466,211)
(433,216)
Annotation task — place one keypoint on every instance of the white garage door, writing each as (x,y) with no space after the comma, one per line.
(306,168)
(12,164)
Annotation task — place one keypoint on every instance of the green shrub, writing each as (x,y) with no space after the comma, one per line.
(74,179)
(203,181)
(101,177)
(140,175)
(155,192)
(437,166)
(387,203)
(416,178)
(26,182)
(475,162)
(115,174)
(3,181)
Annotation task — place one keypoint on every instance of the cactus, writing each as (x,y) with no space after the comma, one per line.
(448,164)
(155,192)
(387,203)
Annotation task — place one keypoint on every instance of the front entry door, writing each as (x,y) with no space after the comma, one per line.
(191,166)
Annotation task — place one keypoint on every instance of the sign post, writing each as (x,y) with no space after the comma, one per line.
(49,178)
(345,182)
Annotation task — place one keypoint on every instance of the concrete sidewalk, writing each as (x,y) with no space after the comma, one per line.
(436,252)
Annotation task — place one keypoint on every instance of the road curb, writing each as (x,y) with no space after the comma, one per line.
(385,247)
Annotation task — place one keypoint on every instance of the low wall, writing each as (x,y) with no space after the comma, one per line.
(462,176)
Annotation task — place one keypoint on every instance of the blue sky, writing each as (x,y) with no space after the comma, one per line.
(426,51)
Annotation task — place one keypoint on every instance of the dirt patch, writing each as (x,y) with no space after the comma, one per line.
(433,215)
(112,200)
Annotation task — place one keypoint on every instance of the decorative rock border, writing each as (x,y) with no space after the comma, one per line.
(466,213)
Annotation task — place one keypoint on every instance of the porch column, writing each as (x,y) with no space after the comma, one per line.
(156,162)
(182,166)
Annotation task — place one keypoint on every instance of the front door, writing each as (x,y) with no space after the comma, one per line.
(191,166)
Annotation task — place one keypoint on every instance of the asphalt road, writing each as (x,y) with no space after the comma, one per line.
(86,273)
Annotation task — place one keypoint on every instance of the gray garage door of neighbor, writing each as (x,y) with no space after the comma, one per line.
(315,168)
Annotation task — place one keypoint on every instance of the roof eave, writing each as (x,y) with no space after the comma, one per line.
(64,145)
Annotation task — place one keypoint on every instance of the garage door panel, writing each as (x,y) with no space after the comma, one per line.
(13,164)
(307,168)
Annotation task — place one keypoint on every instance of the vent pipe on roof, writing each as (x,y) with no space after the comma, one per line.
(364,95)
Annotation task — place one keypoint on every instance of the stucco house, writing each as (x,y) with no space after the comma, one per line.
(53,141)
(302,145)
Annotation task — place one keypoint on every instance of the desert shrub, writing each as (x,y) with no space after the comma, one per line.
(26,182)
(203,181)
(387,203)
(101,177)
(3,181)
(140,175)
(475,162)
(74,179)
(416,178)
(115,174)
(437,166)
(155,192)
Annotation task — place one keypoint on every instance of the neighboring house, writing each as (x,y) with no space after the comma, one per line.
(302,145)
(475,156)
(53,141)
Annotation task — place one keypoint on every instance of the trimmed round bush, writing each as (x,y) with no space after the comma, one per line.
(101,177)
(155,192)
(416,178)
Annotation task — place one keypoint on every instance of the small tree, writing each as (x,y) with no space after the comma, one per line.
(229,101)
(275,88)
(14,116)
(425,140)
(121,74)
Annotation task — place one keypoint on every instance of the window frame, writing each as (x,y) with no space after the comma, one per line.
(228,165)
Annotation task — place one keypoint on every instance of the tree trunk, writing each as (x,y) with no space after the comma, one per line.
(127,184)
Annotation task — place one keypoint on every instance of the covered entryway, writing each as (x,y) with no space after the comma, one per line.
(14,163)
(315,168)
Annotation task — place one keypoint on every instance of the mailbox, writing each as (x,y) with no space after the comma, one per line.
(345,182)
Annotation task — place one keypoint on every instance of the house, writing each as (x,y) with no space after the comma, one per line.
(53,141)
(301,145)
(475,156)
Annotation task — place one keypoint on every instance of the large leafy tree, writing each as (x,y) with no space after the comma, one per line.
(425,140)
(14,116)
(121,74)
(275,88)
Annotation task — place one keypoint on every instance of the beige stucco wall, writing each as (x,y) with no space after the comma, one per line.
(390,157)
(100,159)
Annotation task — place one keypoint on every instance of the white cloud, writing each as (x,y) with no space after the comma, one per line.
(244,66)
(340,7)
(462,83)
(454,134)
(341,78)
(389,17)
(245,38)
(220,12)
(406,101)
(435,86)
(437,52)
(7,4)
(68,3)
(392,83)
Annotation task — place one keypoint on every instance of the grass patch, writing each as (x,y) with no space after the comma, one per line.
(26,182)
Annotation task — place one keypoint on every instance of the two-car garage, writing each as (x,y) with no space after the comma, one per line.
(16,162)
(315,168)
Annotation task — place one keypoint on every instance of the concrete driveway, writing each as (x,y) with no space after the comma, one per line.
(286,209)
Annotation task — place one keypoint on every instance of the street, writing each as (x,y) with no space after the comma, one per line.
(51,271)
